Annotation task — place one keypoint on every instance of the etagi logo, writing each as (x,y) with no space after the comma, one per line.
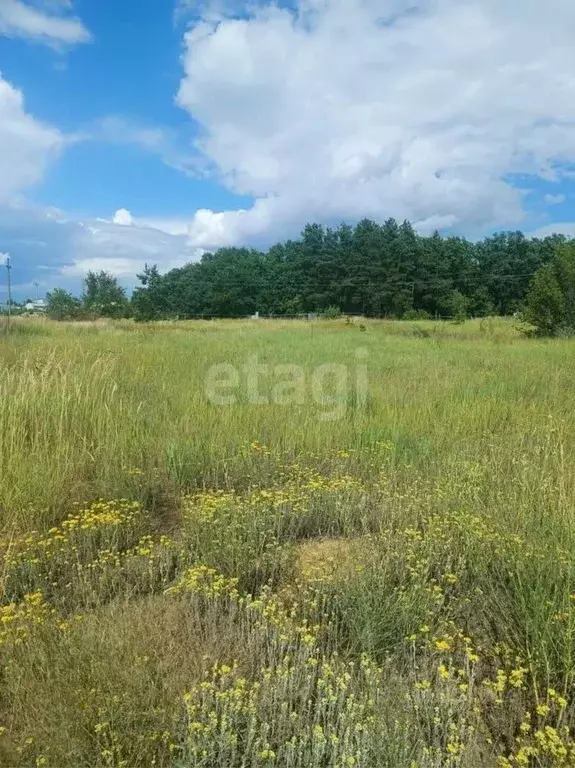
(331,387)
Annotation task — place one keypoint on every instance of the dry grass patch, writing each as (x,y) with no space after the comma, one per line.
(106,689)
(320,559)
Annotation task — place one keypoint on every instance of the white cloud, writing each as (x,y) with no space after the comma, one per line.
(554,199)
(52,246)
(169,226)
(123,248)
(560,228)
(208,229)
(52,25)
(352,108)
(160,141)
(57,249)
(26,145)
(123,218)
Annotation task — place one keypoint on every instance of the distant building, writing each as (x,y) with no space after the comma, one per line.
(39,305)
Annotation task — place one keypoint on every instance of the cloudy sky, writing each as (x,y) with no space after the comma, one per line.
(148,131)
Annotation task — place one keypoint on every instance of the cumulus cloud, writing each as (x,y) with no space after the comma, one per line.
(123,249)
(57,250)
(209,229)
(348,108)
(560,228)
(48,245)
(123,218)
(51,24)
(51,247)
(26,145)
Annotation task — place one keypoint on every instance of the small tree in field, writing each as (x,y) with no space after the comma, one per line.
(459,306)
(550,301)
(331,313)
(103,296)
(61,305)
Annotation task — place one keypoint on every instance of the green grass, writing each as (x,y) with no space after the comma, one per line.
(87,404)
(408,568)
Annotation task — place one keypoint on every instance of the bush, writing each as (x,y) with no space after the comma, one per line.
(61,305)
(459,306)
(550,304)
(331,313)
(416,314)
(104,297)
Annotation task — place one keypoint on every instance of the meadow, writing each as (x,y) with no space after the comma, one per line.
(185,584)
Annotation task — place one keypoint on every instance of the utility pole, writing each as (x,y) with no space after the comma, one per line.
(37,286)
(8,265)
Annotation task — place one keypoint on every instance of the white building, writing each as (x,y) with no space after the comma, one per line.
(39,305)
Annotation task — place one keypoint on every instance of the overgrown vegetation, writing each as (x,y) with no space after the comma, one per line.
(102,297)
(374,270)
(550,302)
(189,585)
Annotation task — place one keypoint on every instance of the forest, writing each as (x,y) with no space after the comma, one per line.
(375,270)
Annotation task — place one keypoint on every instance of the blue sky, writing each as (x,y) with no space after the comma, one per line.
(147,131)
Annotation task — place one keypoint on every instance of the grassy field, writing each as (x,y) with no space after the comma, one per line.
(380,573)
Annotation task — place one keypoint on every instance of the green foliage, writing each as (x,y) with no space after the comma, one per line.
(376,270)
(385,270)
(331,313)
(184,585)
(550,302)
(417,314)
(103,296)
(545,303)
(147,301)
(459,304)
(61,305)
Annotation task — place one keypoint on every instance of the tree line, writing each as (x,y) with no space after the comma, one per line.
(377,270)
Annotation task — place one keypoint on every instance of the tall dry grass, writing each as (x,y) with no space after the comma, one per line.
(185,584)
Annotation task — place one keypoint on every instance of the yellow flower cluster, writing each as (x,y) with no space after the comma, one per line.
(95,552)
(18,619)
(103,517)
(544,739)
(297,492)
(413,579)
(202,580)
(302,707)
(147,548)
(102,513)
(547,746)
(300,710)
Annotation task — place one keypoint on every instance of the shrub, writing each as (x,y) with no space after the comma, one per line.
(331,312)
(61,305)
(550,304)
(459,306)
(416,314)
